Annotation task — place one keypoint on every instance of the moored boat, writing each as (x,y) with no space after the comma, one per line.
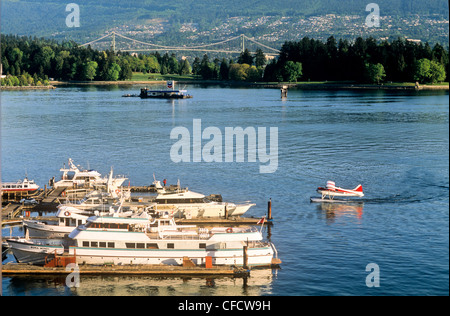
(188,204)
(24,185)
(74,177)
(68,218)
(169,93)
(35,251)
(122,241)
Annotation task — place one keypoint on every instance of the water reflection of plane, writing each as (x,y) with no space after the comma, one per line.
(336,210)
(259,283)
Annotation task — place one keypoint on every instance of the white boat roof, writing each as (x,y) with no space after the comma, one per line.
(107,235)
(20,182)
(118,220)
(67,211)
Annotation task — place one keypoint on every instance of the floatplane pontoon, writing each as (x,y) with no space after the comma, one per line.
(332,193)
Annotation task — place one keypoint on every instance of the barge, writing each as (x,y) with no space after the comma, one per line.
(169,93)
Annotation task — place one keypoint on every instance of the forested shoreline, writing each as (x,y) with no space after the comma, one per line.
(28,61)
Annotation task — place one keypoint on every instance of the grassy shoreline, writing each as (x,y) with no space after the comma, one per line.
(158,79)
(49,87)
(277,85)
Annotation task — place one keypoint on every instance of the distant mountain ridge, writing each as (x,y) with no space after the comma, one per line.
(46,18)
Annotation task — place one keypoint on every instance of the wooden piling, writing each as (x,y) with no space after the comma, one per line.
(245,250)
(284,90)
(269,209)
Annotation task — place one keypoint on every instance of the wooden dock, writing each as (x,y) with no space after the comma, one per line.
(53,195)
(157,270)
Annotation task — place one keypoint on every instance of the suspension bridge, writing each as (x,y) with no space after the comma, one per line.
(233,45)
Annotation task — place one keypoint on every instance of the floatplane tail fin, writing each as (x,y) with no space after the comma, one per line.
(358,188)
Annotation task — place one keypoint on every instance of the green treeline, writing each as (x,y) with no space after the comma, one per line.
(33,61)
(365,60)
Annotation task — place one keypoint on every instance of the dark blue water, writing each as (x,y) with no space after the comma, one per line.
(394,143)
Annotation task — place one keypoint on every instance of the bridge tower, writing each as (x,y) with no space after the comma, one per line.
(243,42)
(113,42)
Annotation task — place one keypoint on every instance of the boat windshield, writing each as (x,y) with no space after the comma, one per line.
(107,225)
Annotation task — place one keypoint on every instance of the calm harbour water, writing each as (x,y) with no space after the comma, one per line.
(396,144)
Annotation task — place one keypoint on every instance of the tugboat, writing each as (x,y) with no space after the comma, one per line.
(170,93)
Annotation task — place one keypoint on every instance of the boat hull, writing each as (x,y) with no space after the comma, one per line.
(42,230)
(213,210)
(261,257)
(5,248)
(32,252)
(166,97)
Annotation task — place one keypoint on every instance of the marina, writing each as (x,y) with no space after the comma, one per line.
(107,209)
(392,142)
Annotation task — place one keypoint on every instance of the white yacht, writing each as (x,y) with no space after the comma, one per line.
(74,177)
(188,204)
(24,185)
(68,218)
(124,241)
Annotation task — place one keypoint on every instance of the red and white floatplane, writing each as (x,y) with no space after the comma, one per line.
(332,193)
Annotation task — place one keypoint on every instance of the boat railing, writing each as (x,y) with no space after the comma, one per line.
(201,233)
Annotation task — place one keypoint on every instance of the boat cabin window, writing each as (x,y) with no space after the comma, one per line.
(170,246)
(132,245)
(152,246)
(96,244)
(69,221)
(107,225)
(202,246)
